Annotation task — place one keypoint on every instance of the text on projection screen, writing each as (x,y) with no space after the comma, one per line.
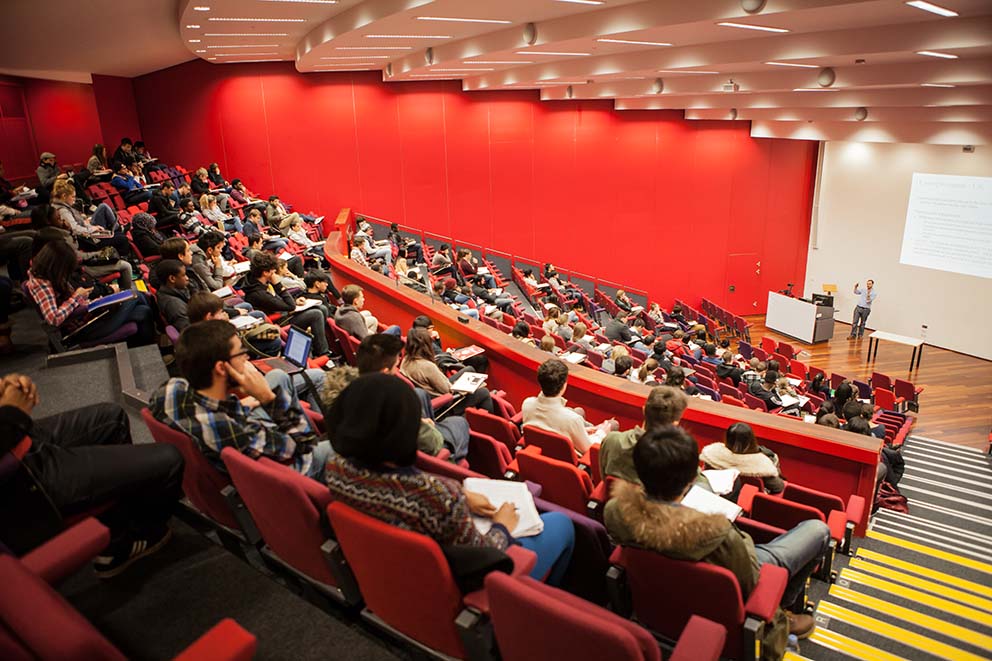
(949,224)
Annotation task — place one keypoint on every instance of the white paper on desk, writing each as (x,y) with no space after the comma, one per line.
(496,291)
(602,348)
(223,292)
(636,309)
(489,309)
(482,270)
(286,256)
(469,382)
(703,501)
(242,267)
(789,400)
(794,382)
(26,195)
(243,321)
(722,481)
(307,304)
(596,437)
(811,419)
(505,491)
(573,357)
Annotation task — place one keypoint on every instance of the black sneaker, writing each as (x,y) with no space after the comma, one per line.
(121,555)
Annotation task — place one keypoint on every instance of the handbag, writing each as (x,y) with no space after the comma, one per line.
(104,257)
(889,497)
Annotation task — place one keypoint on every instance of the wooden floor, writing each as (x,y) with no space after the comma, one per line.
(956,406)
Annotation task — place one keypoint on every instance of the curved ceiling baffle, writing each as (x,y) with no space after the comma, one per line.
(872,70)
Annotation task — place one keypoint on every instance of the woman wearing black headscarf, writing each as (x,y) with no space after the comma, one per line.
(373,427)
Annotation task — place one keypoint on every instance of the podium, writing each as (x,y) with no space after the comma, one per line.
(799,319)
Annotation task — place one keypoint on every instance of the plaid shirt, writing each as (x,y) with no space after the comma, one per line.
(55,313)
(751,376)
(359,256)
(215,424)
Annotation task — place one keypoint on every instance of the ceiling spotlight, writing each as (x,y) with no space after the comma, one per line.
(933,53)
(408,36)
(259,20)
(201,51)
(634,42)
(547,52)
(463,20)
(861,114)
(793,64)
(194,41)
(935,85)
(193,27)
(685,71)
(201,8)
(933,9)
(745,26)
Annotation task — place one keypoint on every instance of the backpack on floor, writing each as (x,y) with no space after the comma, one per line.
(889,497)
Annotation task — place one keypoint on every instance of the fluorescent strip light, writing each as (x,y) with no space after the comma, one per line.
(745,26)
(373,48)
(211,58)
(408,36)
(193,27)
(793,64)
(463,70)
(933,9)
(246,34)
(548,52)
(497,62)
(243,54)
(814,89)
(463,20)
(684,71)
(260,20)
(201,51)
(933,53)
(584,2)
(936,85)
(633,42)
(355,57)
(247,46)
(194,41)
(201,8)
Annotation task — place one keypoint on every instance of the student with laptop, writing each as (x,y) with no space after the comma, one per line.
(268,421)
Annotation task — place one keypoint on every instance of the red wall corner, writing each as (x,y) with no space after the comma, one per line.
(118,113)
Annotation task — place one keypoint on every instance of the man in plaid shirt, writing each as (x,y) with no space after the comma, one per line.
(269,422)
(754,375)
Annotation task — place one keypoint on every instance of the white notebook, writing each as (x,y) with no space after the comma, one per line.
(722,481)
(505,491)
(703,501)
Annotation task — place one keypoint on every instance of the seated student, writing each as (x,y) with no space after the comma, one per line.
(203,305)
(210,209)
(656,314)
(548,345)
(441,263)
(381,353)
(828,420)
(145,235)
(64,305)
(164,206)
(124,154)
(374,424)
(446,289)
(555,322)
(49,224)
(819,385)
(201,185)
(709,354)
(726,368)
(289,281)
(622,366)
(616,329)
(84,458)
(420,366)
(269,422)
(755,373)
(263,290)
(548,411)
(582,338)
(173,293)
(242,195)
(319,287)
(675,378)
(842,395)
(355,321)
(664,406)
(479,362)
(191,220)
(740,450)
(97,163)
(276,215)
(652,517)
(253,227)
(93,233)
(407,247)
(208,259)
(468,265)
(855,409)
(623,301)
(765,389)
(521,331)
(645,373)
(217,180)
(131,190)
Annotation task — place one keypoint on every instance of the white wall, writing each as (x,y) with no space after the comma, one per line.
(857,233)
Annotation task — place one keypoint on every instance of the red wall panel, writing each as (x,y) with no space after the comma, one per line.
(114,98)
(642,198)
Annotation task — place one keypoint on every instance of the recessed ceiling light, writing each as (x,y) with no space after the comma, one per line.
(201,51)
(408,36)
(745,26)
(933,53)
(935,85)
(463,20)
(635,43)
(193,27)
(373,48)
(246,34)
(793,64)
(684,71)
(211,58)
(194,41)
(497,62)
(548,52)
(259,20)
(815,89)
(243,54)
(463,70)
(201,8)
(933,9)
(246,46)
(355,57)
(584,2)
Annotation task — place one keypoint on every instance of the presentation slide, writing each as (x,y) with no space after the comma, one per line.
(949,224)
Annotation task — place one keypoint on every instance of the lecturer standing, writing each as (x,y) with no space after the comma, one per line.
(863,309)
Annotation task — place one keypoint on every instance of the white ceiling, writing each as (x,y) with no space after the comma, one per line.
(863,52)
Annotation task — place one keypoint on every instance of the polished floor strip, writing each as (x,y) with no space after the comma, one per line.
(949,446)
(954,499)
(892,632)
(853,648)
(982,520)
(954,479)
(913,617)
(932,574)
(890,515)
(983,567)
(792,656)
(911,464)
(953,459)
(915,596)
(954,545)
(946,485)
(933,587)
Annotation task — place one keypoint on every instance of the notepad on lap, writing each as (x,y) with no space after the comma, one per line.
(242,267)
(112,299)
(703,501)
(223,292)
(469,382)
(505,491)
(722,481)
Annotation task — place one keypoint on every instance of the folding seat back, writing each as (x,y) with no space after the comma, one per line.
(864,390)
(342,336)
(709,392)
(798,368)
(488,456)
(595,358)
(783,361)
(787,350)
(503,407)
(704,380)
(562,483)
(769,345)
(819,500)
(755,402)
(733,401)
(289,509)
(760,353)
(879,380)
(202,482)
(885,399)
(745,349)
(570,627)
(908,392)
(837,379)
(404,578)
(813,371)
(782,513)
(730,391)
(552,444)
(500,429)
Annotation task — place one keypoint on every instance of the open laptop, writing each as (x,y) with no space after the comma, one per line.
(294,354)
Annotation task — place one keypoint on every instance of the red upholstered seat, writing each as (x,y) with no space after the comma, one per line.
(562,483)
(289,510)
(499,428)
(487,456)
(552,444)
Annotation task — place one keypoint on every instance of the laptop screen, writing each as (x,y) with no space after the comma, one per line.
(297,348)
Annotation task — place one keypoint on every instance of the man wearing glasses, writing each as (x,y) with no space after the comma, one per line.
(264,419)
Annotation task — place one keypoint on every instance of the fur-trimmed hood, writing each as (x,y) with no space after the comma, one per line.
(671,529)
(756,464)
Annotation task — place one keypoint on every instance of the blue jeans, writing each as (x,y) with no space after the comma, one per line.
(394,330)
(303,389)
(135,309)
(860,319)
(798,551)
(105,217)
(234,224)
(322,450)
(553,547)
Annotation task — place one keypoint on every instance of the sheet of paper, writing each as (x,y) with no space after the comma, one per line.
(505,491)
(467,352)
(469,382)
(307,304)
(244,321)
(223,292)
(573,357)
(242,267)
(722,481)
(708,503)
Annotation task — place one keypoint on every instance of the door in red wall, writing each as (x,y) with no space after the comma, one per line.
(743,283)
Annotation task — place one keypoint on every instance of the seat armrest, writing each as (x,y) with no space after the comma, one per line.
(746,497)
(518,419)
(524,561)
(701,640)
(855,509)
(444,454)
(837,522)
(68,551)
(767,592)
(535,489)
(226,641)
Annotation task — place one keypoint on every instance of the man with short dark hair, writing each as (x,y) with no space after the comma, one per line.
(208,260)
(663,406)
(320,288)
(164,207)
(616,329)
(351,319)
(173,293)
(765,389)
(548,410)
(726,368)
(265,293)
(270,422)
(652,516)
